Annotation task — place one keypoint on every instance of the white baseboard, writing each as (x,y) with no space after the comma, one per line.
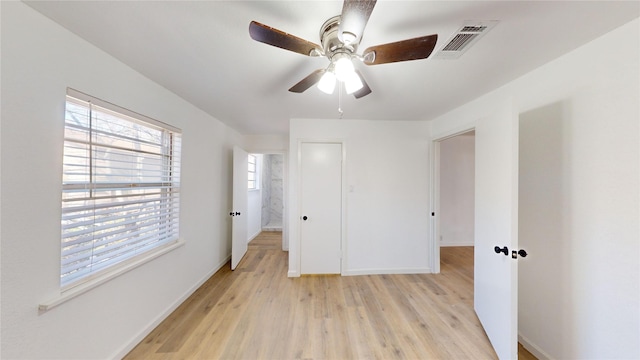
(272,228)
(253,236)
(533,349)
(387,271)
(293,273)
(149,328)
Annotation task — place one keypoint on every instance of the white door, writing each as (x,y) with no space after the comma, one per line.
(496,225)
(321,208)
(240,206)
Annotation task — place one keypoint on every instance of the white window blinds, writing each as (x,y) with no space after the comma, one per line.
(121,187)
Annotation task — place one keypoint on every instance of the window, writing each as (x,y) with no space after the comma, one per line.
(253,179)
(120,191)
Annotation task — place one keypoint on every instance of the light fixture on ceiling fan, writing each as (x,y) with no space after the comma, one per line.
(340,37)
(340,70)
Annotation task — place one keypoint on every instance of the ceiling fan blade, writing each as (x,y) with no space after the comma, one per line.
(355,14)
(308,82)
(411,49)
(268,35)
(365,90)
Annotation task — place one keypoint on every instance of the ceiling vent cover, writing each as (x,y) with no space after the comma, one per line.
(470,32)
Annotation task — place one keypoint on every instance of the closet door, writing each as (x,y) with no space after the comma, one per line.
(321,208)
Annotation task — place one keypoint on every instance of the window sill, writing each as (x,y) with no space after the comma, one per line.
(103,278)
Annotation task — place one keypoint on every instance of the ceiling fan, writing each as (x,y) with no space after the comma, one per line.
(340,37)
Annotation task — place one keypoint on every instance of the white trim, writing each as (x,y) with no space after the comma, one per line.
(113,107)
(254,236)
(293,273)
(533,349)
(434,238)
(160,318)
(458,130)
(343,215)
(106,276)
(257,171)
(400,271)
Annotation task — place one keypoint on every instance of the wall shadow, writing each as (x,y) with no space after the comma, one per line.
(544,287)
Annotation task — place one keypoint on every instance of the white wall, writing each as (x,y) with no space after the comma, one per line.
(40,60)
(387,198)
(457,174)
(266,190)
(267,144)
(254,218)
(272,192)
(594,92)
(276,185)
(542,186)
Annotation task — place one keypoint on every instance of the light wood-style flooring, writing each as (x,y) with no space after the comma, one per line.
(257,312)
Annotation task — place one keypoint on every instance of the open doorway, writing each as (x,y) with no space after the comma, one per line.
(267,198)
(456,179)
(454,199)
(272,192)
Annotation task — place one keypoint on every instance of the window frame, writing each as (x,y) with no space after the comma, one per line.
(168,194)
(254,172)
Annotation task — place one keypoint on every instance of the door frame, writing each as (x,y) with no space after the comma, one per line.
(434,243)
(343,187)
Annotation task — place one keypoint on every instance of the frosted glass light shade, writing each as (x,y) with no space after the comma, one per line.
(353,83)
(344,67)
(327,83)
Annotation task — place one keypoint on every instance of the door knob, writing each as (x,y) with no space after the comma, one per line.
(504,250)
(231,213)
(521,252)
(305,218)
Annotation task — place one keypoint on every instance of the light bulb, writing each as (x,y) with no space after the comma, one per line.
(344,67)
(327,82)
(353,83)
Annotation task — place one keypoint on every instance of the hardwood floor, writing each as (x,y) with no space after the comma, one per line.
(256,312)
(524,354)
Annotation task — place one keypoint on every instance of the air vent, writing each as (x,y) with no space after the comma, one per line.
(470,32)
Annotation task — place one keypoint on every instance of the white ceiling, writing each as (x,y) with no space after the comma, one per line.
(201,50)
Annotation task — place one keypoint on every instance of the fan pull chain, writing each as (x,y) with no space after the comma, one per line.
(340,99)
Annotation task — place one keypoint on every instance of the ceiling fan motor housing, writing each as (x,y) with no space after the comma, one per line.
(331,44)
